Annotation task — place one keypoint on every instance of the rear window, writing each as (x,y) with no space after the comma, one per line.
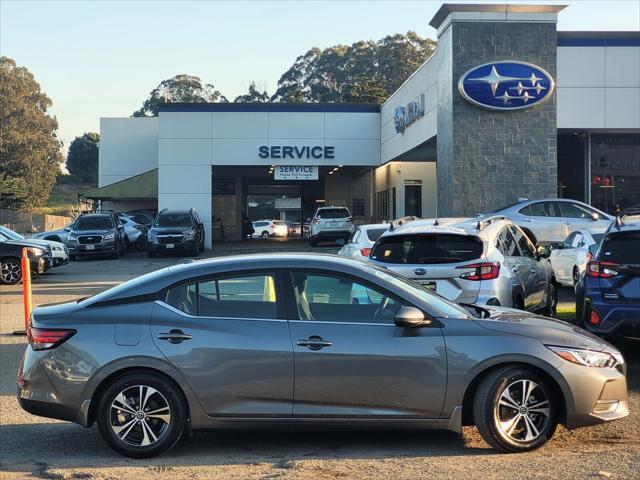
(621,248)
(94,223)
(333,213)
(425,249)
(173,220)
(597,237)
(375,233)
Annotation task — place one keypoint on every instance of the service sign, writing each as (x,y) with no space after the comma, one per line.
(506,85)
(295,172)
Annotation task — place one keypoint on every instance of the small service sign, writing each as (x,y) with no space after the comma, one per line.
(295,172)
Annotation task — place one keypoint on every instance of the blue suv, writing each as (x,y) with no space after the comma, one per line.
(608,294)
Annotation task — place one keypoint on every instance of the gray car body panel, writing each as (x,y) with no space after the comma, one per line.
(413,377)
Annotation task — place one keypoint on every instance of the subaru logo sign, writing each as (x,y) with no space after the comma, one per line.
(420,271)
(507,85)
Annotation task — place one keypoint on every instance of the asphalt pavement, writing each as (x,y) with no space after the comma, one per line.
(34,447)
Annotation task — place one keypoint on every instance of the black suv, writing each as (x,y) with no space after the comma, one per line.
(96,233)
(11,254)
(176,230)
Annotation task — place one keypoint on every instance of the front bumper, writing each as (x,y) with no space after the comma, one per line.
(598,395)
(81,250)
(184,246)
(40,264)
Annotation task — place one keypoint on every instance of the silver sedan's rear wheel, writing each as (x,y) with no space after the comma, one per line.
(141,415)
(11,271)
(515,409)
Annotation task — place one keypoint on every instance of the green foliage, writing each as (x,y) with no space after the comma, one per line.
(181,88)
(366,71)
(29,149)
(254,95)
(13,191)
(82,159)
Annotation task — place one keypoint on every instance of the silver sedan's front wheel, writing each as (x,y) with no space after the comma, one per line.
(141,414)
(516,409)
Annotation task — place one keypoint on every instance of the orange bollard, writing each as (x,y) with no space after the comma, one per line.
(26,288)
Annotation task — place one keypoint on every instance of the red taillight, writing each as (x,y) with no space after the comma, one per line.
(601,269)
(594,318)
(46,338)
(589,257)
(482,271)
(365,252)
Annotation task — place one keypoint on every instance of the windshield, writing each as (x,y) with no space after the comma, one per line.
(94,223)
(333,213)
(11,234)
(429,248)
(445,307)
(173,220)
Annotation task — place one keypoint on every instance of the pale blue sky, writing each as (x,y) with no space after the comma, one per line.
(102,58)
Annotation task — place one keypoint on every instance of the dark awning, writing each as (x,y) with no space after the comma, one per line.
(143,186)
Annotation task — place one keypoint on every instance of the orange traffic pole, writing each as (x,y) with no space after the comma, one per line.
(26,288)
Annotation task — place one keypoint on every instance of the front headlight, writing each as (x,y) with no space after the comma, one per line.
(36,252)
(188,235)
(109,236)
(72,236)
(588,358)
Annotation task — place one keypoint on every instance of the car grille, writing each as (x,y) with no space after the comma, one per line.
(170,239)
(87,239)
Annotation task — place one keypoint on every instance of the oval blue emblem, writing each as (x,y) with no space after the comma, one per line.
(506,85)
(420,271)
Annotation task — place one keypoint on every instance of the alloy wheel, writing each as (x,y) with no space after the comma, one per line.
(11,272)
(140,415)
(523,410)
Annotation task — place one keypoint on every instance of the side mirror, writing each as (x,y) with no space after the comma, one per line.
(595,216)
(543,251)
(410,317)
(593,249)
(67,229)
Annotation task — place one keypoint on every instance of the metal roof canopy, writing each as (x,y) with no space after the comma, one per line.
(142,186)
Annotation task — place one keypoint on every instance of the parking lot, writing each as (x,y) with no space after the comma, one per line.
(35,447)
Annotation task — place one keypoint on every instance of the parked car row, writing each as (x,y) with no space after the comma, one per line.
(43,255)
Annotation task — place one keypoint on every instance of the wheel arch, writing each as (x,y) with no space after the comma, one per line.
(561,389)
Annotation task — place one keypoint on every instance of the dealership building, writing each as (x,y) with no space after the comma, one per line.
(507,107)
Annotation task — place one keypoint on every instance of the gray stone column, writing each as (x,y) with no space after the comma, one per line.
(486,158)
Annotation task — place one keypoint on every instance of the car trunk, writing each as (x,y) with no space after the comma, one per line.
(621,252)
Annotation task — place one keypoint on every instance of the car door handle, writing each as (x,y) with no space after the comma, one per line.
(174,336)
(314,342)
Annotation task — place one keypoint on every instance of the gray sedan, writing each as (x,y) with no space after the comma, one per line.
(308,340)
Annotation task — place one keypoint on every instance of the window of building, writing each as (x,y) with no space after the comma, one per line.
(335,298)
(382,205)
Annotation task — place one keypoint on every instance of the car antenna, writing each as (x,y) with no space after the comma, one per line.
(436,222)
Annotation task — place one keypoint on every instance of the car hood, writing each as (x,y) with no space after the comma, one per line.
(92,232)
(46,243)
(170,230)
(27,243)
(549,331)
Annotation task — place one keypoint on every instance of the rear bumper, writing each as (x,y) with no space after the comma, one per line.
(331,234)
(616,319)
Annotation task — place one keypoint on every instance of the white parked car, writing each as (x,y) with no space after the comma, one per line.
(330,223)
(362,239)
(551,220)
(570,258)
(59,251)
(270,228)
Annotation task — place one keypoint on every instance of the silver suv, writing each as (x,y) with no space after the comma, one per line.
(489,261)
(330,223)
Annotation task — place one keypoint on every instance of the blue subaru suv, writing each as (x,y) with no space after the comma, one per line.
(608,293)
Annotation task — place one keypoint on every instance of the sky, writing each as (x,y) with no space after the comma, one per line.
(102,58)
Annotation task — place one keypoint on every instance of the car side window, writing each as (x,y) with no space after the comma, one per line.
(509,245)
(526,249)
(578,241)
(568,242)
(240,296)
(539,209)
(571,210)
(327,297)
(354,236)
(183,297)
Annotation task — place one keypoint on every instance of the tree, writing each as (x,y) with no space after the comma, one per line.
(29,149)
(82,159)
(13,191)
(367,71)
(181,88)
(254,95)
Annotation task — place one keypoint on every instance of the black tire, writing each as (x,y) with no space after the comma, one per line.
(11,271)
(125,247)
(576,276)
(151,254)
(72,257)
(116,254)
(552,300)
(264,234)
(196,250)
(488,411)
(313,242)
(167,434)
(518,303)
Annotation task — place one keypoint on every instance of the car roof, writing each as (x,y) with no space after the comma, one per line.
(173,212)
(454,226)
(371,226)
